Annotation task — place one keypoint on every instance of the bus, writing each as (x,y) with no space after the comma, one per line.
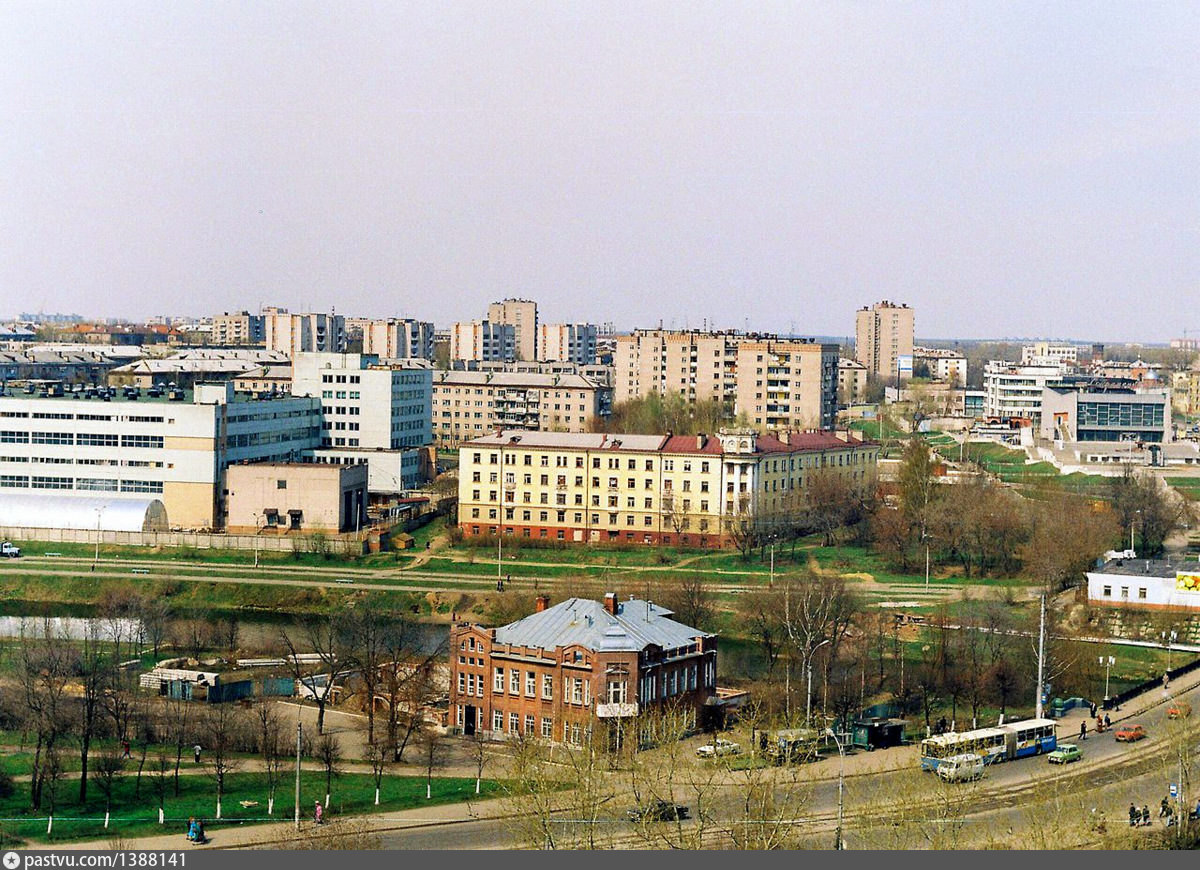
(1001,743)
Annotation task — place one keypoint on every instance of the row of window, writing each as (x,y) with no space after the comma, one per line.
(91,484)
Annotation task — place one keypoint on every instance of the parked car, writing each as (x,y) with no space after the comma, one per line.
(9,551)
(1065,754)
(1179,710)
(659,811)
(1130,733)
(717,748)
(961,768)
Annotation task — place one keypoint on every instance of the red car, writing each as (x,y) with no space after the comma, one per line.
(1130,733)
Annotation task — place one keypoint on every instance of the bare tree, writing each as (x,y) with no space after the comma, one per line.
(43,671)
(224,728)
(324,636)
(272,748)
(108,768)
(433,754)
(329,753)
(93,669)
(481,755)
(160,778)
(691,600)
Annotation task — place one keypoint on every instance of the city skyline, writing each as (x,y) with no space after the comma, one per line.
(1013,170)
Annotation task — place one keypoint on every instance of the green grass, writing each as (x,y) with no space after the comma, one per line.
(134,815)
(110,552)
(1189,487)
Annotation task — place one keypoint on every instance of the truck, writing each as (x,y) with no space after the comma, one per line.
(9,551)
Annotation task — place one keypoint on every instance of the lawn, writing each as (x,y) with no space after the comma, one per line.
(1189,487)
(136,814)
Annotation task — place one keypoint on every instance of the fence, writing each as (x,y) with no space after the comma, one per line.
(194,540)
(1119,699)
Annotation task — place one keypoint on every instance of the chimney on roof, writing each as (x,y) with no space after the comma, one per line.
(541,603)
(610,602)
(842,434)
(700,439)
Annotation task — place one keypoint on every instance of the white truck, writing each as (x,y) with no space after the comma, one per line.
(9,551)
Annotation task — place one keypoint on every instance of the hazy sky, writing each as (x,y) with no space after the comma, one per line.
(1006,168)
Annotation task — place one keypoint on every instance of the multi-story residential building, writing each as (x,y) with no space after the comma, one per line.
(695,490)
(482,340)
(237,328)
(469,404)
(1045,353)
(949,366)
(522,316)
(884,338)
(265,379)
(367,403)
(72,364)
(1014,390)
(397,338)
(601,374)
(1091,410)
(169,448)
(567,342)
(787,384)
(579,670)
(303,333)
(1185,387)
(852,381)
(698,365)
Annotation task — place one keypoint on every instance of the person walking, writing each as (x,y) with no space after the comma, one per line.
(1083,730)
(196,753)
(1134,815)
(1164,809)
(1145,815)
(1107,721)
(318,813)
(1093,709)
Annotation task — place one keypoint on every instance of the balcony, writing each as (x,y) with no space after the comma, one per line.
(616,711)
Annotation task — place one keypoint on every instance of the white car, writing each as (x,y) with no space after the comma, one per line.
(720,747)
(9,551)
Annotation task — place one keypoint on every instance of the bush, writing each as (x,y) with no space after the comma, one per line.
(6,785)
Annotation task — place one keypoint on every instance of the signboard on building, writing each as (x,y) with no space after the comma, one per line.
(1187,581)
(904,365)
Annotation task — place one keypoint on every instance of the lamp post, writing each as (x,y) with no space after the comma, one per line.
(96,558)
(837,842)
(256,529)
(808,694)
(1169,637)
(925,538)
(1108,662)
(500,518)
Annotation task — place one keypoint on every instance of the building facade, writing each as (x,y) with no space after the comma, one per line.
(1012,390)
(948,366)
(295,497)
(398,338)
(238,328)
(579,669)
(883,336)
(366,403)
(694,491)
(786,384)
(176,451)
(567,342)
(483,341)
(522,316)
(1045,353)
(852,381)
(1093,412)
(1145,583)
(303,333)
(700,366)
(470,404)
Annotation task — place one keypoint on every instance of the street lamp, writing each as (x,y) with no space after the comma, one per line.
(837,842)
(925,538)
(256,529)
(96,558)
(1169,638)
(808,694)
(1108,662)
(1132,521)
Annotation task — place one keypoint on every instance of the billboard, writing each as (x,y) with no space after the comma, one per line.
(904,365)
(1187,581)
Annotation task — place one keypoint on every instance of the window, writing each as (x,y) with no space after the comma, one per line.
(498,680)
(617,692)
(514,681)
(497,720)
(547,728)
(462,682)
(1124,589)
(530,724)
(530,684)
(1108,592)
(548,686)
(514,723)
(1142,593)
(281,484)
(576,735)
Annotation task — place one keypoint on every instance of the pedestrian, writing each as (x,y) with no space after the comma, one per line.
(1083,730)
(1107,721)
(318,812)
(124,748)
(1145,815)
(196,753)
(1093,709)
(1164,808)
(1134,815)
(1099,725)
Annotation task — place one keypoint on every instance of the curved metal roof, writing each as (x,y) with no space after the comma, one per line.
(23,510)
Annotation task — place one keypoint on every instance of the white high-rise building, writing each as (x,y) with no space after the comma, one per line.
(483,341)
(522,316)
(567,342)
(398,338)
(303,333)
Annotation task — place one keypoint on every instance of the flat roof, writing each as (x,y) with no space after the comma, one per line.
(1147,567)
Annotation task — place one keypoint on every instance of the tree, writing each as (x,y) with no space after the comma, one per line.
(433,754)
(691,600)
(43,671)
(760,611)
(224,728)
(272,747)
(831,501)
(1067,535)
(155,613)
(92,667)
(917,484)
(379,756)
(367,642)
(1151,509)
(481,755)
(108,768)
(329,753)
(325,636)
(160,777)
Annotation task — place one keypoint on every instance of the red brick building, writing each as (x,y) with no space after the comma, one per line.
(578,666)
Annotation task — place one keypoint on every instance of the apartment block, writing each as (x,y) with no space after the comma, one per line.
(470,404)
(366,403)
(238,328)
(1044,353)
(852,381)
(483,340)
(646,489)
(884,338)
(699,366)
(787,384)
(173,449)
(303,333)
(567,342)
(522,316)
(395,338)
(1012,390)
(949,366)
(579,670)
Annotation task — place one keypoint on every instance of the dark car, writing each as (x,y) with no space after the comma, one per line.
(659,811)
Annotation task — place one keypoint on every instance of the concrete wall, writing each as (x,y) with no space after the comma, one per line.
(196,540)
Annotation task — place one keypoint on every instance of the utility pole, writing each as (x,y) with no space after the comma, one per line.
(299,730)
(1041,662)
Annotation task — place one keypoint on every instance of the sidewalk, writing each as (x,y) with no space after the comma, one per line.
(243,836)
